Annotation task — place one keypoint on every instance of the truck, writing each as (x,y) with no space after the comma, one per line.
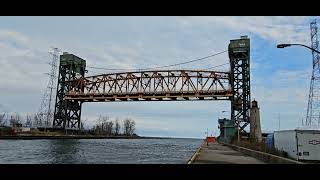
(299,144)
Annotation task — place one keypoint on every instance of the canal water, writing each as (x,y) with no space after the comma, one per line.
(98,151)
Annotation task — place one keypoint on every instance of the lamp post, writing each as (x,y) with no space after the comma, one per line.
(287,45)
(207,137)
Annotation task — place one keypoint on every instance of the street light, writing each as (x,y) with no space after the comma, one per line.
(287,45)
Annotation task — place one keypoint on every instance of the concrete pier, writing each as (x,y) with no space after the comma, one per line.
(216,153)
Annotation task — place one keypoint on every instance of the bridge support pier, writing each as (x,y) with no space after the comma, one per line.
(67,113)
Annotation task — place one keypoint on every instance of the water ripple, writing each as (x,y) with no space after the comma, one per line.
(98,151)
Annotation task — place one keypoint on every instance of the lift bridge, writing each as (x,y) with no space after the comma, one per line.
(157,85)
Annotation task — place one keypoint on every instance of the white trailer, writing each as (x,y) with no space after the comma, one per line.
(299,144)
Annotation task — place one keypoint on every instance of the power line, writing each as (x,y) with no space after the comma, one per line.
(199,59)
(95,72)
(186,62)
(111,69)
(216,66)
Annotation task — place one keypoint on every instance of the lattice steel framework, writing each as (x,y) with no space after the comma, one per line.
(45,113)
(67,113)
(152,86)
(239,55)
(313,110)
(158,85)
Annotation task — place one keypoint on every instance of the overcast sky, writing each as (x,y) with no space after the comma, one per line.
(279,77)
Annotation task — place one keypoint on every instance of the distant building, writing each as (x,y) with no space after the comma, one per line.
(227,130)
(21,129)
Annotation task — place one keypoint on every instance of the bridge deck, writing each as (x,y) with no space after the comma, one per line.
(159,96)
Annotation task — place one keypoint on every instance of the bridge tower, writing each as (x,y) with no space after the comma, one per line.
(239,55)
(67,113)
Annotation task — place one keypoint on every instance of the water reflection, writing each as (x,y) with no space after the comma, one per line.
(65,151)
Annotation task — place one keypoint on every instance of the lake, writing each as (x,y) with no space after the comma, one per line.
(98,151)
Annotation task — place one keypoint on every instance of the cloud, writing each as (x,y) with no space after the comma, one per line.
(277,28)
(284,92)
(23,68)
(14,36)
(22,75)
(283,86)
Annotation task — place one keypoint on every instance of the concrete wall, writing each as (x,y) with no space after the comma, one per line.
(268,158)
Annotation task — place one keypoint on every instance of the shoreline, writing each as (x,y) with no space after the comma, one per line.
(82,137)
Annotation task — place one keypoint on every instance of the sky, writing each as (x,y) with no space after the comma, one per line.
(280,78)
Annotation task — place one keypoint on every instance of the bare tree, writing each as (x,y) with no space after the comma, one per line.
(126,126)
(3,119)
(83,124)
(103,126)
(109,128)
(36,120)
(106,127)
(132,127)
(117,127)
(15,120)
(129,127)
(29,121)
(99,125)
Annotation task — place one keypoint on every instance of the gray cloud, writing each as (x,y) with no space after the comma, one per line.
(275,28)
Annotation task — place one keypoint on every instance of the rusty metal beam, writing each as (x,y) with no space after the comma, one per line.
(152,86)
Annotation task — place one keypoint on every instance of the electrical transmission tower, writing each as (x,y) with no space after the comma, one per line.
(313,111)
(44,117)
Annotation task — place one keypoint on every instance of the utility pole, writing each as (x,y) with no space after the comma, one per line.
(279,120)
(314,92)
(207,132)
(207,137)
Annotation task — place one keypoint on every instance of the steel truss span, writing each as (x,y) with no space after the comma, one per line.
(164,85)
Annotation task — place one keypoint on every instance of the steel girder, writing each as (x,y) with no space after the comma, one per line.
(152,86)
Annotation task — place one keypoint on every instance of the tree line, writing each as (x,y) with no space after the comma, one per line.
(29,120)
(16,120)
(104,126)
